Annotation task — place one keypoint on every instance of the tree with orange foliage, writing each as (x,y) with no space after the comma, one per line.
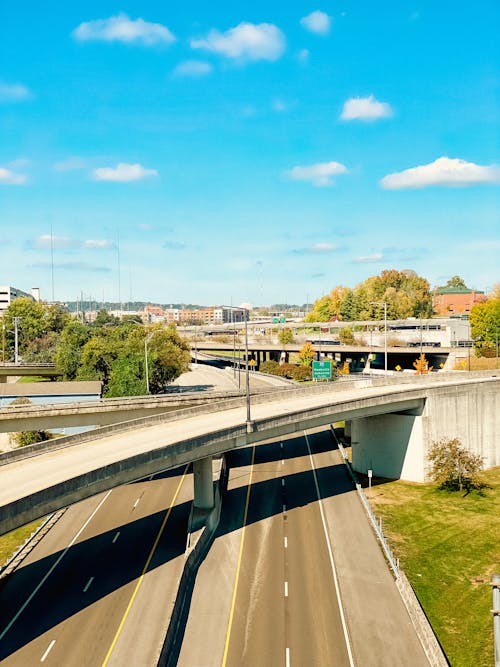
(421,365)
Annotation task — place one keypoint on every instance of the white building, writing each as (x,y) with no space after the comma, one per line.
(8,294)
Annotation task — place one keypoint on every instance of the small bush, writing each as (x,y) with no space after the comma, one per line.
(286,370)
(270,367)
(302,373)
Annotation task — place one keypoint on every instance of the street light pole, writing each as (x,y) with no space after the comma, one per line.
(146,365)
(247,376)
(383,303)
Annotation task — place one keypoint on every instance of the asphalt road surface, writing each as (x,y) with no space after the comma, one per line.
(295,576)
(99,587)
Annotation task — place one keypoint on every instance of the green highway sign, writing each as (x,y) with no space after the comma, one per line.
(322,370)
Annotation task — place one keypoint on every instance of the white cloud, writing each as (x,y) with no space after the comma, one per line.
(193,68)
(324,247)
(121,28)
(46,241)
(369,259)
(98,243)
(13,92)
(9,177)
(445,172)
(123,173)
(317,22)
(246,41)
(320,175)
(365,108)
(70,164)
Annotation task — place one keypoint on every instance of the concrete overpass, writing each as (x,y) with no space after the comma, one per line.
(31,370)
(392,428)
(359,357)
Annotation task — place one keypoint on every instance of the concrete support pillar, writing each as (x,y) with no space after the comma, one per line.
(391,445)
(203,483)
(347,430)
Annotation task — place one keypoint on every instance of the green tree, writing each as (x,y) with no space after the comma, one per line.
(285,336)
(103,318)
(307,354)
(456,281)
(32,323)
(485,326)
(127,376)
(68,351)
(453,466)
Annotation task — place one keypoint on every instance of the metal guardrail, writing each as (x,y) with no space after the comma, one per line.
(376,522)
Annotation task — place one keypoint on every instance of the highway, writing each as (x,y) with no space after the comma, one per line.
(98,589)
(295,576)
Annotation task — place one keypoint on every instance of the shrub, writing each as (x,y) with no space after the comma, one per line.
(270,367)
(301,373)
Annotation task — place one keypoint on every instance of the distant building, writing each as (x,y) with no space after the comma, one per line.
(456,300)
(9,294)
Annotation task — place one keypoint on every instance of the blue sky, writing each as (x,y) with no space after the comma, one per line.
(255,152)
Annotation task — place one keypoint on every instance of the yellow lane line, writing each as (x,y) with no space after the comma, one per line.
(235,589)
(144,569)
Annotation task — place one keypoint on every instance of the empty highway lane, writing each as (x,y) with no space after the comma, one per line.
(98,589)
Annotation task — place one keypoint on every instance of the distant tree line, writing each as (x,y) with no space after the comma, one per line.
(110,349)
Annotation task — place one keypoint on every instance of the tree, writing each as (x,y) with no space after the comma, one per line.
(285,336)
(454,467)
(456,281)
(421,365)
(485,326)
(31,325)
(307,354)
(127,376)
(68,350)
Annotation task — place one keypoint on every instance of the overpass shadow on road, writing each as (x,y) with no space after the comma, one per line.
(60,597)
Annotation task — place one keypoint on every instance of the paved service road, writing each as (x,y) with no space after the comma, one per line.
(106,599)
(292,580)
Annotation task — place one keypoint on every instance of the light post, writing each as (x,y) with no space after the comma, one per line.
(247,376)
(3,341)
(146,366)
(383,303)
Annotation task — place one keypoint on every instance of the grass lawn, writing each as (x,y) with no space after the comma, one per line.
(11,541)
(449,547)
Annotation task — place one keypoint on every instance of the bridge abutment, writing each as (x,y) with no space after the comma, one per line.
(203,484)
(391,445)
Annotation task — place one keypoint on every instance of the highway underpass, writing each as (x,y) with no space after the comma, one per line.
(294,576)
